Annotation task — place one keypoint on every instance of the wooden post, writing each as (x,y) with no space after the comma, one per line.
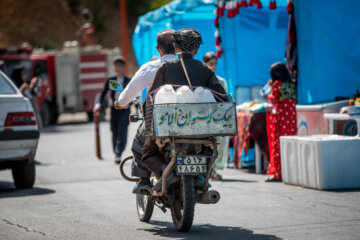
(97,136)
(124,33)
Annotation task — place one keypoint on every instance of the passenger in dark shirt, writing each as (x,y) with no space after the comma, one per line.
(171,72)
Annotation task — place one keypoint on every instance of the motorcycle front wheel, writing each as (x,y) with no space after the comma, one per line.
(144,207)
(182,209)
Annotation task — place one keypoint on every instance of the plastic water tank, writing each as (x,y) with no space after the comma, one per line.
(166,94)
(185,95)
(203,95)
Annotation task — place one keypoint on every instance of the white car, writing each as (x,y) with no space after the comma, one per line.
(19,134)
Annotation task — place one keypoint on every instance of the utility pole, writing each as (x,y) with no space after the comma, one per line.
(97,136)
(124,33)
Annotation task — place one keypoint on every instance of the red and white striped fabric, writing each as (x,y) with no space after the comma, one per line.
(93,71)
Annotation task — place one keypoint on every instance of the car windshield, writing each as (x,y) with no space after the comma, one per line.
(5,86)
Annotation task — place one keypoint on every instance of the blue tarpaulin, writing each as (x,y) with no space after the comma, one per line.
(328,35)
(252,41)
(176,15)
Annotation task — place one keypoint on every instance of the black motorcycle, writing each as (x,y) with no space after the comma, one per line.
(188,136)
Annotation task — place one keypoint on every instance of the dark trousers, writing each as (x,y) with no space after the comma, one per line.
(119,126)
(137,168)
(152,158)
(147,157)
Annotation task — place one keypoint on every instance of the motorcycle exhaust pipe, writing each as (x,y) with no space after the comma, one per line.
(208,197)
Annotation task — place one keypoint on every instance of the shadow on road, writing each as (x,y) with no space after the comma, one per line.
(237,180)
(57,128)
(8,190)
(75,123)
(205,231)
(343,190)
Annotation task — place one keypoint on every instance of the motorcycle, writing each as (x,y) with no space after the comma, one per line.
(187,134)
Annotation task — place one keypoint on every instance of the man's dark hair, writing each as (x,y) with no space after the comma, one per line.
(187,39)
(119,59)
(209,56)
(164,41)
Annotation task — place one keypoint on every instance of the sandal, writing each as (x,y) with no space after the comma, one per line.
(273,179)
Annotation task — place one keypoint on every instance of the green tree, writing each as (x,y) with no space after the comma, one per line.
(139,7)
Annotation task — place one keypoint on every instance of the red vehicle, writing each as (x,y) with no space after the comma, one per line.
(71,78)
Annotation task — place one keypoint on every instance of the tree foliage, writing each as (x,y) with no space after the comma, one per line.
(139,7)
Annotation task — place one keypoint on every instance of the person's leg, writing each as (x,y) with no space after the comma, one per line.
(113,128)
(154,161)
(152,158)
(221,159)
(120,133)
(138,169)
(121,137)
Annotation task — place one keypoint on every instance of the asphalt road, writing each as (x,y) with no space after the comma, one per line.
(77,197)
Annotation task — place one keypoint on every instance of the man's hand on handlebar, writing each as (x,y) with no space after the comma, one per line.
(118,106)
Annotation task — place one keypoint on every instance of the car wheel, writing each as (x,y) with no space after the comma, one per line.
(24,174)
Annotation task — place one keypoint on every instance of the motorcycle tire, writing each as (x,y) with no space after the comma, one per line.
(144,207)
(182,209)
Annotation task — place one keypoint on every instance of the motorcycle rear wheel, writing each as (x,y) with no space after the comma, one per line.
(182,210)
(144,207)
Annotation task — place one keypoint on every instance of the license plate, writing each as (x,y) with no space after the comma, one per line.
(191,164)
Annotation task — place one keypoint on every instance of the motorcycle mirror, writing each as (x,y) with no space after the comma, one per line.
(115,85)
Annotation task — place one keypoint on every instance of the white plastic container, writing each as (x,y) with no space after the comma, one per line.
(203,95)
(185,95)
(326,161)
(166,94)
(266,90)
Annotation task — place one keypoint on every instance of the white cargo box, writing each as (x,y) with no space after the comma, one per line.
(321,161)
(290,164)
